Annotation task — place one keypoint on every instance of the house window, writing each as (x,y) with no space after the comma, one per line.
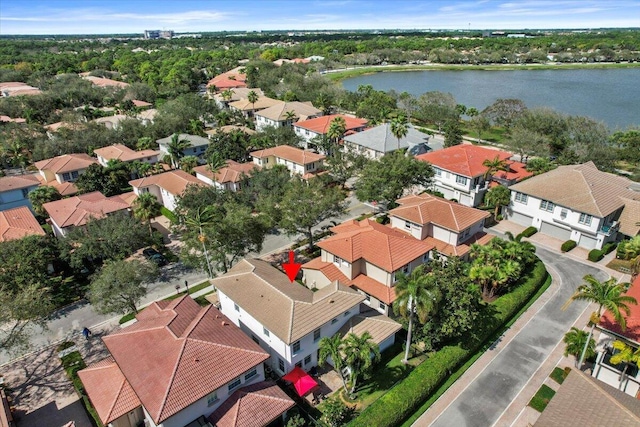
(233,384)
(337,260)
(296,347)
(281,365)
(521,198)
(212,398)
(382,306)
(546,205)
(465,233)
(334,321)
(266,331)
(74,175)
(367,297)
(563,213)
(236,307)
(299,364)
(405,269)
(437,171)
(255,339)
(66,176)
(585,219)
(316,335)
(25,193)
(462,180)
(346,313)
(252,373)
(425,257)
(407,224)
(307,360)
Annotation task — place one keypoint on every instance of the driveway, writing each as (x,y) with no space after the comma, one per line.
(487,396)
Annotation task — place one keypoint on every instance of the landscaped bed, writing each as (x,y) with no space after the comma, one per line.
(71,364)
(542,398)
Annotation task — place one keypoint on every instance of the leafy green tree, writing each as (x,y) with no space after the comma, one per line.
(110,180)
(540,165)
(271,136)
(497,197)
(41,195)
(608,296)
(576,340)
(306,204)
(145,208)
(452,133)
(229,146)
(176,149)
(437,107)
(264,191)
(416,295)
(333,348)
(188,163)
(387,179)
(120,285)
(505,111)
(628,143)
(478,122)
(399,128)
(361,352)
(335,413)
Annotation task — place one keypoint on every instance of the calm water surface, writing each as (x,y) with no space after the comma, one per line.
(609,95)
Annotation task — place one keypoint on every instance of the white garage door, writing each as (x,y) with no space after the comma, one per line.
(587,242)
(521,219)
(555,231)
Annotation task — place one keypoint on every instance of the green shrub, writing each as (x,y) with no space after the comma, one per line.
(568,245)
(127,317)
(609,247)
(542,398)
(595,255)
(529,231)
(620,252)
(65,345)
(169,215)
(559,374)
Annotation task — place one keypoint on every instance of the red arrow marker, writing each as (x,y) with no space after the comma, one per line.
(292,268)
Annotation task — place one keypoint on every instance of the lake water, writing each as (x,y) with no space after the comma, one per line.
(609,95)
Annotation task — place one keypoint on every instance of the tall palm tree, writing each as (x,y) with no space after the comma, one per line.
(290,116)
(416,294)
(608,295)
(41,195)
(498,196)
(336,130)
(575,341)
(399,128)
(199,219)
(494,165)
(187,163)
(216,162)
(176,149)
(252,97)
(146,207)
(360,354)
(626,355)
(332,347)
(227,94)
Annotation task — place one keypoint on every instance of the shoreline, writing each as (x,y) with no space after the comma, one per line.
(345,73)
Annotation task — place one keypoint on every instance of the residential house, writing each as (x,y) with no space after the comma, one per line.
(15,189)
(141,105)
(75,211)
(232,79)
(105,82)
(18,89)
(287,319)
(285,114)
(459,173)
(125,154)
(197,144)
(62,171)
(7,119)
(297,161)
(611,331)
(379,140)
(166,186)
(228,177)
(17,223)
(147,116)
(111,122)
(577,202)
(366,256)
(230,129)
(176,365)
(310,129)
(248,108)
(449,226)
(237,94)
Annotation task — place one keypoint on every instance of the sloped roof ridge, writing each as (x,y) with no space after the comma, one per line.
(113,405)
(609,396)
(271,285)
(195,321)
(171,380)
(586,181)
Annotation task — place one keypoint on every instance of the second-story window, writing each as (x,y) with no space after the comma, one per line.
(437,171)
(266,331)
(296,347)
(521,198)
(546,205)
(316,335)
(462,180)
(407,224)
(585,219)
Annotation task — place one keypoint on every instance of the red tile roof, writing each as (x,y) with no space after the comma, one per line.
(462,249)
(256,405)
(230,79)
(104,82)
(465,159)
(633,319)
(18,223)
(292,154)
(232,172)
(76,210)
(109,391)
(517,172)
(175,181)
(380,291)
(178,353)
(66,163)
(321,124)
(65,188)
(123,153)
(382,246)
(17,182)
(329,270)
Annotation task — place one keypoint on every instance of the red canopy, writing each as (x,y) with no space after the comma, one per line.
(302,381)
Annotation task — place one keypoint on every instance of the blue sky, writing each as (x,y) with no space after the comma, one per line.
(134,16)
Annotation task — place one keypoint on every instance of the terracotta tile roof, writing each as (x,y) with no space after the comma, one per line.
(124,153)
(76,210)
(629,224)
(17,223)
(193,140)
(7,119)
(256,405)
(591,191)
(230,79)
(66,163)
(465,159)
(633,319)
(321,124)
(278,112)
(108,389)
(262,103)
(138,103)
(53,127)
(104,82)
(177,353)
(229,129)
(382,246)
(17,182)
(65,189)
(233,172)
(462,249)
(330,271)
(112,120)
(18,88)
(175,181)
(292,154)
(585,401)
(516,172)
(288,310)
(238,93)
(380,291)
(369,320)
(149,114)
(427,209)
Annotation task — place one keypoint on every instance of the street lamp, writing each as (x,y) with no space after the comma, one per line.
(186,285)
(177,289)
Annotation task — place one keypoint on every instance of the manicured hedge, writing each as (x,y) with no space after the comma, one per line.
(405,398)
(72,363)
(595,255)
(529,231)
(609,247)
(568,245)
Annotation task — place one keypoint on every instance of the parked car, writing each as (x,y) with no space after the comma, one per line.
(154,256)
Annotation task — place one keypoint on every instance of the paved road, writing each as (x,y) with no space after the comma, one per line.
(489,394)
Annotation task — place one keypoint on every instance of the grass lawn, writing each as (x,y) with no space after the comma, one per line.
(542,398)
(621,265)
(559,374)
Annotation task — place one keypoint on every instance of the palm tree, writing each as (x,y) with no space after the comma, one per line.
(290,116)
(41,195)
(498,196)
(332,347)
(418,294)
(336,130)
(198,219)
(575,341)
(146,207)
(399,128)
(360,354)
(227,94)
(187,163)
(252,97)
(176,149)
(626,355)
(608,295)
(216,162)
(493,166)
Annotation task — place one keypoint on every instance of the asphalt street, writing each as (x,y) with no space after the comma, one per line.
(489,394)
